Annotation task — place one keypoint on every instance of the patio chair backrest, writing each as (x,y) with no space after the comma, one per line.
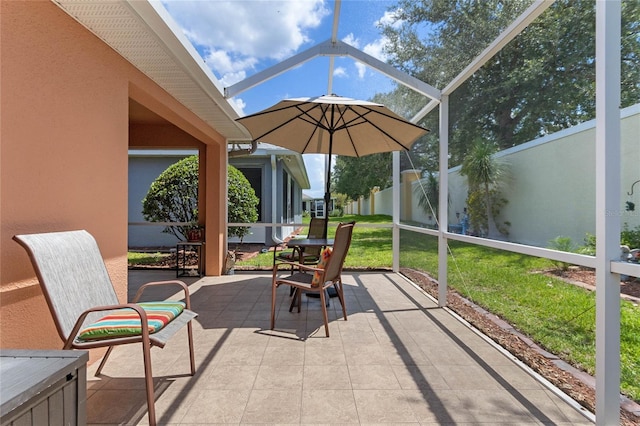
(317,229)
(341,244)
(72,275)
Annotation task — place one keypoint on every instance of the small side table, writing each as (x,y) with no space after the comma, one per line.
(181,259)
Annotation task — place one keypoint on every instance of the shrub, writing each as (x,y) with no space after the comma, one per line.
(630,237)
(173,197)
(589,247)
(561,243)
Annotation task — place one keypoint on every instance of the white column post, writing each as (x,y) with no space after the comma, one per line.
(395,238)
(608,210)
(443,220)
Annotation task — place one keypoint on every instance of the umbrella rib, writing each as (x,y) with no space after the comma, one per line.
(284,123)
(318,124)
(369,110)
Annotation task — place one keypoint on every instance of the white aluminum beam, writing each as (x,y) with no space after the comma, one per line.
(334,38)
(269,73)
(608,188)
(382,67)
(330,48)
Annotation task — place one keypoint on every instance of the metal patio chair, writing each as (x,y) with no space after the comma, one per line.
(86,310)
(317,228)
(310,279)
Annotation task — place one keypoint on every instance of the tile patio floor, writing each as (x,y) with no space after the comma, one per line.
(398,359)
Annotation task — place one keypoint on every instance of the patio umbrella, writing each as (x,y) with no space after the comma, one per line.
(332,125)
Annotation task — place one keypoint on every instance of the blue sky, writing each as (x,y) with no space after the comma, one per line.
(239,38)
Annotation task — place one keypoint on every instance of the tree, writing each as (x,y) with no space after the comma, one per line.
(541,82)
(429,196)
(424,151)
(355,176)
(485,173)
(173,197)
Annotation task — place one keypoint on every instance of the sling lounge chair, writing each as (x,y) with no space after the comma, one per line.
(80,295)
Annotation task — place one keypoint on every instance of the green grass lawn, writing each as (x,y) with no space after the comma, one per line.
(370,247)
(139,258)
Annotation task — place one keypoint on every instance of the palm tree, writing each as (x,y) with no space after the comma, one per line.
(428,194)
(484,173)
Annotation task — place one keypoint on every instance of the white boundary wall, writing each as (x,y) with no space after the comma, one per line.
(551,189)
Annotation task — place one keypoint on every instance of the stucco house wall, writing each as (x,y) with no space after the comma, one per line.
(551,189)
(552,192)
(65,134)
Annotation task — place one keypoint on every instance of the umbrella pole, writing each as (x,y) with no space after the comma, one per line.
(327,194)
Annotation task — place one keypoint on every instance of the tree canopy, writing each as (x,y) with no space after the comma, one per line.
(541,82)
(350,177)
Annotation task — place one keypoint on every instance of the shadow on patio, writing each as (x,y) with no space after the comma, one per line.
(398,359)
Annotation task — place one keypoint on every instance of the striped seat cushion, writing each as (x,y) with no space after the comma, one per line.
(324,260)
(126,322)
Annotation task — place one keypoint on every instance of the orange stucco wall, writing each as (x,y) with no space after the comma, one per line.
(64,135)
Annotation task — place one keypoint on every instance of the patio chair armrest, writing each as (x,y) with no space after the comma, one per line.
(181,284)
(79,322)
(281,245)
(300,266)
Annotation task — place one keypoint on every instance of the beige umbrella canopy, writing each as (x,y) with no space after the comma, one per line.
(332,125)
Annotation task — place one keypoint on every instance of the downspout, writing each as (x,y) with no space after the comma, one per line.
(274,197)
(242,152)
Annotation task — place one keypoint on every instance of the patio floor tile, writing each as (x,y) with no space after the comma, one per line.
(398,358)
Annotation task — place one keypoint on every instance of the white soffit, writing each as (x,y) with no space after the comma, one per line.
(145,35)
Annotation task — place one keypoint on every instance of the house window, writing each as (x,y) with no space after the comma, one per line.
(286,197)
(254,176)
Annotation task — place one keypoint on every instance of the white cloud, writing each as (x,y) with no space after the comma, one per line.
(351,40)
(239,104)
(235,36)
(224,62)
(340,72)
(249,28)
(375,49)
(389,18)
